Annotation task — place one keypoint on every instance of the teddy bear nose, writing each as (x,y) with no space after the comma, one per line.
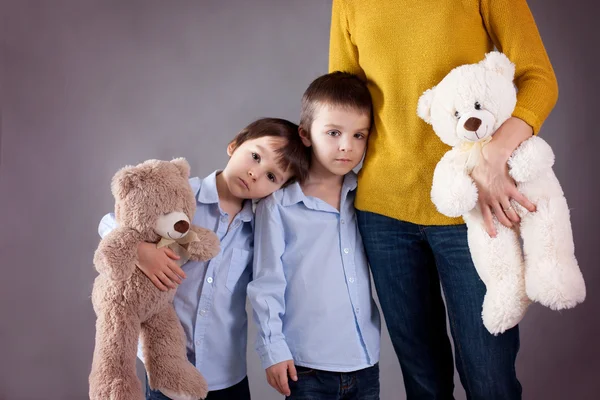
(181,226)
(472,124)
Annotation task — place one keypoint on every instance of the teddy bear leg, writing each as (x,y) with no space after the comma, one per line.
(164,349)
(113,375)
(552,274)
(499,263)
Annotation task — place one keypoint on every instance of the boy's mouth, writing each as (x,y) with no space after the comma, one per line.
(344,160)
(244,183)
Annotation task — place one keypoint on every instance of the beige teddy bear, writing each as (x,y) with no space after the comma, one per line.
(153,201)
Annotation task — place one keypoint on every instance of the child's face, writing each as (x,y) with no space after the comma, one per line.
(338,138)
(252,171)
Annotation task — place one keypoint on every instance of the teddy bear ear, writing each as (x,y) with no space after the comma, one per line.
(124,180)
(499,62)
(424,106)
(183,166)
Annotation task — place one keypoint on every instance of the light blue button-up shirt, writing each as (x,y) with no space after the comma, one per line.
(311,289)
(211,301)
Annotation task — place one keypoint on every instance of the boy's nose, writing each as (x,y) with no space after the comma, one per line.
(251,175)
(345,147)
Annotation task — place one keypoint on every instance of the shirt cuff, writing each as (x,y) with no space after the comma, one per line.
(530,118)
(273,353)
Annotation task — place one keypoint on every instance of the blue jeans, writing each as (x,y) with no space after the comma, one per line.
(239,391)
(314,384)
(408,263)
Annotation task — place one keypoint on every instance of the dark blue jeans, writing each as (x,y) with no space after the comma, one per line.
(239,391)
(408,263)
(314,384)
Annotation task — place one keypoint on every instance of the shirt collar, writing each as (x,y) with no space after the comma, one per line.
(208,194)
(293,194)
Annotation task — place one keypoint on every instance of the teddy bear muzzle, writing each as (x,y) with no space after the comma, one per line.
(477,125)
(174,225)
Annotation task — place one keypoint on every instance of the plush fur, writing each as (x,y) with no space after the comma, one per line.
(127,304)
(465,109)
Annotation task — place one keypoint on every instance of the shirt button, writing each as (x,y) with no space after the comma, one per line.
(357,310)
(342,221)
(351,280)
(209,279)
(198,342)
(202,312)
(346,250)
(223,218)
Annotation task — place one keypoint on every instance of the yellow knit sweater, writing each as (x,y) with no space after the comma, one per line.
(402,48)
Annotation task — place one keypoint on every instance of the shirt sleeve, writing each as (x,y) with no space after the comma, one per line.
(343,53)
(266,291)
(107,224)
(513,31)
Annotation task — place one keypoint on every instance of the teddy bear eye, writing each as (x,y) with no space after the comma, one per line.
(477,105)
(456,114)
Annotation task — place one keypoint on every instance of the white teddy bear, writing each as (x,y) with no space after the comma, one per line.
(465,109)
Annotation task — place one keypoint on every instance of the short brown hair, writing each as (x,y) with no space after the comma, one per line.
(336,89)
(292,155)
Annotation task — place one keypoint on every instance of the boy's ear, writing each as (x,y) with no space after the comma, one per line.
(304,136)
(230,148)
(424,105)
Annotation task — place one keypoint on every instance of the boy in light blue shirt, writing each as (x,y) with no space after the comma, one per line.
(211,301)
(311,290)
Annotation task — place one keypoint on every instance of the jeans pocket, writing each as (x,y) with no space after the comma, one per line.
(240,259)
(304,371)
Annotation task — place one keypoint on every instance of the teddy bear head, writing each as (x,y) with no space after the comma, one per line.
(155,198)
(472,101)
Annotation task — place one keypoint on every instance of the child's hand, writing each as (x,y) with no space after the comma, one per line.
(277,376)
(158,266)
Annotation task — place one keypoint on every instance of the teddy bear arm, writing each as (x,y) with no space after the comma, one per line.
(117,253)
(207,246)
(531,159)
(453,191)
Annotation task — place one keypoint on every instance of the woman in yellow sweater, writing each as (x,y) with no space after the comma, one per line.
(401,48)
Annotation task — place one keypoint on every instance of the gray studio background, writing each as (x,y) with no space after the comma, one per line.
(89,86)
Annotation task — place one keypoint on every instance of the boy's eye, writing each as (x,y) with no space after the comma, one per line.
(271,176)
(334,133)
(359,136)
(256,157)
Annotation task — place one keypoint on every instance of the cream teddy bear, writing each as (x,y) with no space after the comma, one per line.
(534,261)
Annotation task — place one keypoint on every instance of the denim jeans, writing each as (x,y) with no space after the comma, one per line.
(239,391)
(408,263)
(314,384)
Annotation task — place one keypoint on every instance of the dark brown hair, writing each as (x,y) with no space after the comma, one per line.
(293,154)
(336,89)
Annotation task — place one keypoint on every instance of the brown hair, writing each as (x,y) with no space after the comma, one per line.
(292,155)
(336,89)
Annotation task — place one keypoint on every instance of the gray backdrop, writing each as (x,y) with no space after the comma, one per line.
(89,86)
